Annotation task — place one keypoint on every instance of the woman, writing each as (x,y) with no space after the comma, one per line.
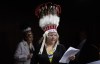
(50,50)
(24,51)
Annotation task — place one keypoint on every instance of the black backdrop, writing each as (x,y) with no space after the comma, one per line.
(16,14)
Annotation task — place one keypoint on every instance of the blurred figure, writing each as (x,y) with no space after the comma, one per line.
(24,51)
(82,39)
(88,50)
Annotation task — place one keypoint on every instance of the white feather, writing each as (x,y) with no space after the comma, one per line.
(49,19)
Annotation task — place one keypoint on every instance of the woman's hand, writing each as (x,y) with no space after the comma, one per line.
(72,57)
(29,56)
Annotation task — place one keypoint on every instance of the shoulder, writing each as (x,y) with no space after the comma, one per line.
(21,43)
(61,46)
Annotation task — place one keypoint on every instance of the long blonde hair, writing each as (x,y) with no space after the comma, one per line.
(44,40)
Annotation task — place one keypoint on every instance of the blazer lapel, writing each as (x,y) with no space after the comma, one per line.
(46,55)
(54,56)
(26,47)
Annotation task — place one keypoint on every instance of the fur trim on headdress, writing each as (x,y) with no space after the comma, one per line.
(49,19)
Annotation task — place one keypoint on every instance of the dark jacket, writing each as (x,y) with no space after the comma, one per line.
(43,58)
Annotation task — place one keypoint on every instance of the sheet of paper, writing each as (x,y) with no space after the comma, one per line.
(95,62)
(70,52)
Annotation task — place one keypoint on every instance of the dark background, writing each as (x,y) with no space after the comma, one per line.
(16,14)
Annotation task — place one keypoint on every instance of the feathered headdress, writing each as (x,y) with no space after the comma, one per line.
(48,14)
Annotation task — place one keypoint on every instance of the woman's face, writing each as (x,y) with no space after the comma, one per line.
(29,36)
(52,37)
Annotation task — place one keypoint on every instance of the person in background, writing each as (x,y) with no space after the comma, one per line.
(88,50)
(25,48)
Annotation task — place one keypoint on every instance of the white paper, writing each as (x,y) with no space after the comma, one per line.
(95,62)
(71,51)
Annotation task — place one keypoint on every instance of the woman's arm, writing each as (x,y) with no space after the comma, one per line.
(19,53)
